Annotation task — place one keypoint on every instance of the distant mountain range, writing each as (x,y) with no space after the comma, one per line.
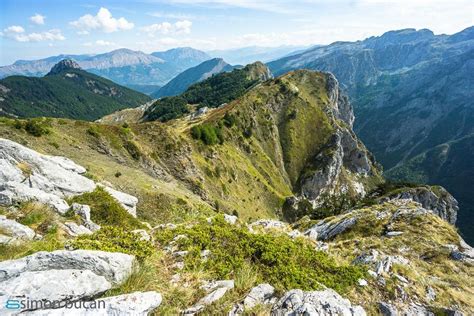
(251,54)
(145,72)
(123,66)
(413,95)
(66,91)
(181,82)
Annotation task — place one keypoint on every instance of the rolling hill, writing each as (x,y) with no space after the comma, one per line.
(66,91)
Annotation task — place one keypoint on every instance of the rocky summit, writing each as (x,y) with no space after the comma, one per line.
(244,195)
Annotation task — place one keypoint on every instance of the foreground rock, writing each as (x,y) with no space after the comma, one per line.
(136,304)
(27,175)
(259,295)
(326,302)
(64,276)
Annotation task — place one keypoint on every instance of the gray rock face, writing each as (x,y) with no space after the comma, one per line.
(441,203)
(65,64)
(326,302)
(63,276)
(343,151)
(136,304)
(28,175)
(329,165)
(342,109)
(15,231)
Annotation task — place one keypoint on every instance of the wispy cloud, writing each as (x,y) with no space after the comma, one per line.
(171,15)
(179,27)
(19,34)
(102,21)
(100,43)
(278,6)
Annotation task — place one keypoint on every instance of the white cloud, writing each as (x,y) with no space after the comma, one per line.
(18,34)
(180,27)
(38,19)
(14,29)
(169,15)
(103,21)
(100,43)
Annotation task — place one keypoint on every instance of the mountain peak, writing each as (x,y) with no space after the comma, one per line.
(63,65)
(258,70)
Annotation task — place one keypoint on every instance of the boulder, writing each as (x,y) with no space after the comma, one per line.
(269,224)
(387,309)
(14,230)
(136,304)
(129,202)
(326,302)
(259,295)
(215,290)
(28,175)
(329,228)
(231,219)
(55,285)
(76,230)
(84,211)
(114,267)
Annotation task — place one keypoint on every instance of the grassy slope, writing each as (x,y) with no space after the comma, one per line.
(84,96)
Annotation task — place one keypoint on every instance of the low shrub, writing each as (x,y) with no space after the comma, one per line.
(133,149)
(115,239)
(37,127)
(105,210)
(279,260)
(93,131)
(208,134)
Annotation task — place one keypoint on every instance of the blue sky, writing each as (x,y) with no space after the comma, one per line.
(32,29)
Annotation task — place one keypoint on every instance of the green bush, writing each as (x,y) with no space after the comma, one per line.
(105,210)
(279,260)
(209,134)
(37,127)
(115,239)
(132,149)
(93,131)
(229,120)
